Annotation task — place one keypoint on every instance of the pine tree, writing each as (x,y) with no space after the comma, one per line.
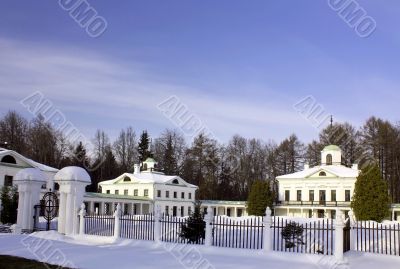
(194,229)
(9,202)
(80,157)
(169,162)
(143,147)
(371,198)
(260,198)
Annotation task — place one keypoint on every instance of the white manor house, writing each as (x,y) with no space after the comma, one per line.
(318,191)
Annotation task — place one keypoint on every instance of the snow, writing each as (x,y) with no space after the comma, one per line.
(30,174)
(40,166)
(338,170)
(73,173)
(99,252)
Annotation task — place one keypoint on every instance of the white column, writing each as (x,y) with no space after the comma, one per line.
(20,214)
(69,214)
(208,236)
(157,224)
(339,235)
(62,212)
(117,225)
(141,208)
(82,214)
(268,238)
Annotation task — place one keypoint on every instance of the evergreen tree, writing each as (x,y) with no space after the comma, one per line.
(293,234)
(169,161)
(9,201)
(80,157)
(143,147)
(194,229)
(260,198)
(371,198)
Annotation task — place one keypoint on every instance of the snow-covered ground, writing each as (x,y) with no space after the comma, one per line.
(102,252)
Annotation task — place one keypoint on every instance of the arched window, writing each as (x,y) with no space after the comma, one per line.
(145,167)
(322,174)
(8,159)
(329,159)
(127,179)
(175,181)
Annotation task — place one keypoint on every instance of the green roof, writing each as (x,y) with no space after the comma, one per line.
(332,147)
(115,196)
(150,160)
(220,202)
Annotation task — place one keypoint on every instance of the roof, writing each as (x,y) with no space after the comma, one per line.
(219,202)
(338,170)
(115,196)
(42,167)
(30,174)
(148,177)
(73,173)
(331,147)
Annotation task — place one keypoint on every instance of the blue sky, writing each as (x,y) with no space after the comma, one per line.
(239,66)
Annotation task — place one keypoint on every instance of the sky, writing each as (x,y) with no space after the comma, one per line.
(235,66)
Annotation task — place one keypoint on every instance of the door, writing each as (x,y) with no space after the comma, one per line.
(322,197)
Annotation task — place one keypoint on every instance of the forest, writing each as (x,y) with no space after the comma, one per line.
(224,171)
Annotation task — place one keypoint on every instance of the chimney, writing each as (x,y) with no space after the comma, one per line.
(355,166)
(136,168)
(306,166)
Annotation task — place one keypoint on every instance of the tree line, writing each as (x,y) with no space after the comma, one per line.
(222,171)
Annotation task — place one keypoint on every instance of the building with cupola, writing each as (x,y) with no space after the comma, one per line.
(318,191)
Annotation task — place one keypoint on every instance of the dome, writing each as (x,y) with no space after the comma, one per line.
(331,148)
(73,173)
(30,174)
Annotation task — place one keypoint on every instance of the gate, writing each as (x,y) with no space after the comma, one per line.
(46,212)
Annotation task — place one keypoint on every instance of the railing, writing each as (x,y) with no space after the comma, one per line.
(315,237)
(315,203)
(171,230)
(102,225)
(377,237)
(137,227)
(247,233)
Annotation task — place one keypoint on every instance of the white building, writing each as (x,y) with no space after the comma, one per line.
(147,188)
(318,191)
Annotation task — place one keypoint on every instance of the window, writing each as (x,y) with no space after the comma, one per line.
(189,210)
(167,194)
(135,192)
(329,159)
(311,195)
(182,195)
(190,195)
(8,181)
(182,211)
(347,195)
(322,197)
(166,210)
(116,191)
(175,194)
(287,195)
(299,195)
(127,179)
(322,174)
(174,211)
(158,193)
(333,195)
(8,159)
(108,191)
(175,181)
(125,192)
(146,193)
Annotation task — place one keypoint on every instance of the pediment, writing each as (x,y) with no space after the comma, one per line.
(322,173)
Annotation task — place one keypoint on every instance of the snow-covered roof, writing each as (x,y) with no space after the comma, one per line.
(220,202)
(148,177)
(115,196)
(45,168)
(337,170)
(30,174)
(73,173)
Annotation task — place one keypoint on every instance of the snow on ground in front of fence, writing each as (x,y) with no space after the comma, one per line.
(103,252)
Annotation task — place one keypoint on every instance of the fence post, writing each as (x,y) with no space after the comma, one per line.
(117,224)
(339,235)
(267,238)
(82,214)
(208,218)
(352,224)
(157,224)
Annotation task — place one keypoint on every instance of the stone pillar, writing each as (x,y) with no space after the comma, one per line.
(72,181)
(268,238)
(339,235)
(157,224)
(208,218)
(29,182)
(82,214)
(117,224)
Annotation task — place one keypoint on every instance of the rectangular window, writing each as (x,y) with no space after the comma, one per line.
(322,197)
(287,195)
(190,195)
(167,194)
(175,194)
(135,192)
(116,191)
(347,195)
(333,195)
(311,195)
(146,193)
(8,181)
(183,195)
(125,192)
(182,211)
(166,210)
(108,191)
(298,195)
(189,210)
(158,193)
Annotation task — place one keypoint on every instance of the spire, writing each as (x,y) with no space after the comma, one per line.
(331,121)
